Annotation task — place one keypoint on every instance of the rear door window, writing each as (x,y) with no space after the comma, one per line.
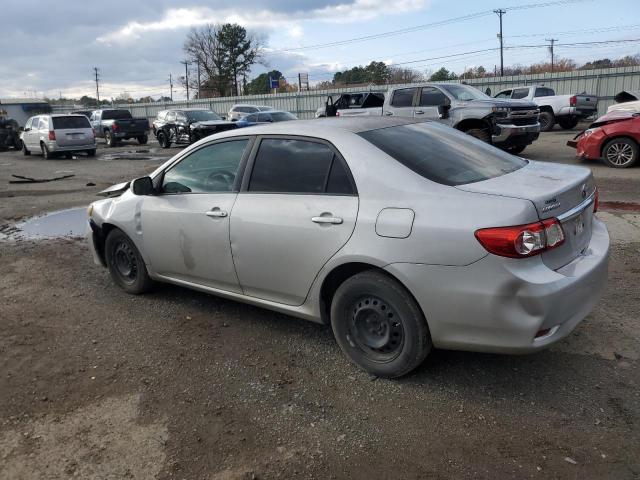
(443,154)
(544,92)
(403,97)
(62,123)
(298,166)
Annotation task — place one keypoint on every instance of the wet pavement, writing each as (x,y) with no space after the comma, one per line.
(69,223)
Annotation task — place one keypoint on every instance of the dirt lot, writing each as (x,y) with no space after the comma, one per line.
(95,383)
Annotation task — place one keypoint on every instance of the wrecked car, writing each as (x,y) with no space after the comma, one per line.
(614,138)
(401,234)
(187,126)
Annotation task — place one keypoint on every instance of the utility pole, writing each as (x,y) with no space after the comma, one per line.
(171,86)
(501,12)
(199,95)
(95,69)
(186,76)
(552,41)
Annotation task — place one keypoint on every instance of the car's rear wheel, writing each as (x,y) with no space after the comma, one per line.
(25,150)
(125,263)
(108,137)
(479,133)
(46,154)
(547,121)
(143,139)
(568,123)
(620,153)
(378,325)
(91,153)
(163,140)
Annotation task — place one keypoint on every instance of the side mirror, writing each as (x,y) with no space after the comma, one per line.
(443,111)
(142,186)
(27,129)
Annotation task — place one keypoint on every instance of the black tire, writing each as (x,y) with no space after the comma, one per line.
(46,154)
(479,133)
(516,149)
(163,139)
(17,143)
(108,137)
(379,326)
(143,139)
(26,152)
(620,153)
(547,121)
(568,123)
(126,266)
(91,153)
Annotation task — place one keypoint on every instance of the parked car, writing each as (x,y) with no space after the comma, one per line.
(507,124)
(627,100)
(58,133)
(566,110)
(350,101)
(9,132)
(115,125)
(86,113)
(401,234)
(187,125)
(266,117)
(614,137)
(238,111)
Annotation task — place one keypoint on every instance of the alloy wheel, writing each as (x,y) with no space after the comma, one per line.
(619,154)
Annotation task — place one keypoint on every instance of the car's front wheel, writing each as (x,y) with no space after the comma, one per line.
(547,121)
(378,325)
(163,140)
(125,263)
(620,153)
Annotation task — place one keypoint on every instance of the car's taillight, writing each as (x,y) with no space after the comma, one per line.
(94,132)
(522,240)
(573,100)
(337,114)
(114,126)
(596,201)
(52,135)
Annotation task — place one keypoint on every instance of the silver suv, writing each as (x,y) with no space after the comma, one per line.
(240,111)
(52,134)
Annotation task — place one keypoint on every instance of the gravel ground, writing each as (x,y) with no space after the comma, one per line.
(95,383)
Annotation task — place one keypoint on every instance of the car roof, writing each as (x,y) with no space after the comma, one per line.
(317,126)
(55,115)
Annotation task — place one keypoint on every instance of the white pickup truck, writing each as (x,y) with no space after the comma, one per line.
(566,110)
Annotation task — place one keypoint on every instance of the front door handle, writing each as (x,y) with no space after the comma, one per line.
(216,212)
(388,114)
(332,220)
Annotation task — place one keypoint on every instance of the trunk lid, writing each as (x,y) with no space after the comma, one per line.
(561,191)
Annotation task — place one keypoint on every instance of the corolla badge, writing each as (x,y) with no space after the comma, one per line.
(550,204)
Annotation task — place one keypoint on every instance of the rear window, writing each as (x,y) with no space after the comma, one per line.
(116,115)
(443,154)
(61,123)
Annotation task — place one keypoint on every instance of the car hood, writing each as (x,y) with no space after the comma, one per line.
(114,190)
(210,123)
(614,116)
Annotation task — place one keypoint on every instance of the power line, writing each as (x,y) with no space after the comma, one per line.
(416,28)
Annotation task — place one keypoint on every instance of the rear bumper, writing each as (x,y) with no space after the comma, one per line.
(54,147)
(132,134)
(499,305)
(511,135)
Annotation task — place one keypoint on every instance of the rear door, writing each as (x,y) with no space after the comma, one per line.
(72,130)
(297,208)
(401,102)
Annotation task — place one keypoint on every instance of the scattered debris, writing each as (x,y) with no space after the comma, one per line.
(91,184)
(37,180)
(570,460)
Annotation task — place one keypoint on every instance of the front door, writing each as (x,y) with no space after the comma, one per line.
(186,226)
(401,103)
(428,102)
(297,209)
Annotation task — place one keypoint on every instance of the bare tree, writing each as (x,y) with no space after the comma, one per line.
(404,75)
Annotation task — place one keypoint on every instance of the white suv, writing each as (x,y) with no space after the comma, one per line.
(50,134)
(240,111)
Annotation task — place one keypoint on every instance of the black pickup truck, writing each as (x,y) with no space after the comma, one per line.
(114,125)
(187,125)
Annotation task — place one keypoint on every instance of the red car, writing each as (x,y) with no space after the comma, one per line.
(614,137)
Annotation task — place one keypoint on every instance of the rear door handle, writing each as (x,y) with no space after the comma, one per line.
(333,220)
(419,112)
(216,212)
(388,114)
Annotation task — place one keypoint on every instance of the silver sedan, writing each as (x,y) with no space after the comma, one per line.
(401,235)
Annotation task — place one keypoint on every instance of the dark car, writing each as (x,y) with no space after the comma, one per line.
(187,126)
(86,113)
(115,125)
(265,117)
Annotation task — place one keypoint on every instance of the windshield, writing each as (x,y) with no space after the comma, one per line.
(464,93)
(201,115)
(283,116)
(443,154)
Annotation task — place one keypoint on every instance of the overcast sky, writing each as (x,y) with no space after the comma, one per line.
(50,48)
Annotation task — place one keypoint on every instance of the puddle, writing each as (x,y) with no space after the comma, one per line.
(64,223)
(140,154)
